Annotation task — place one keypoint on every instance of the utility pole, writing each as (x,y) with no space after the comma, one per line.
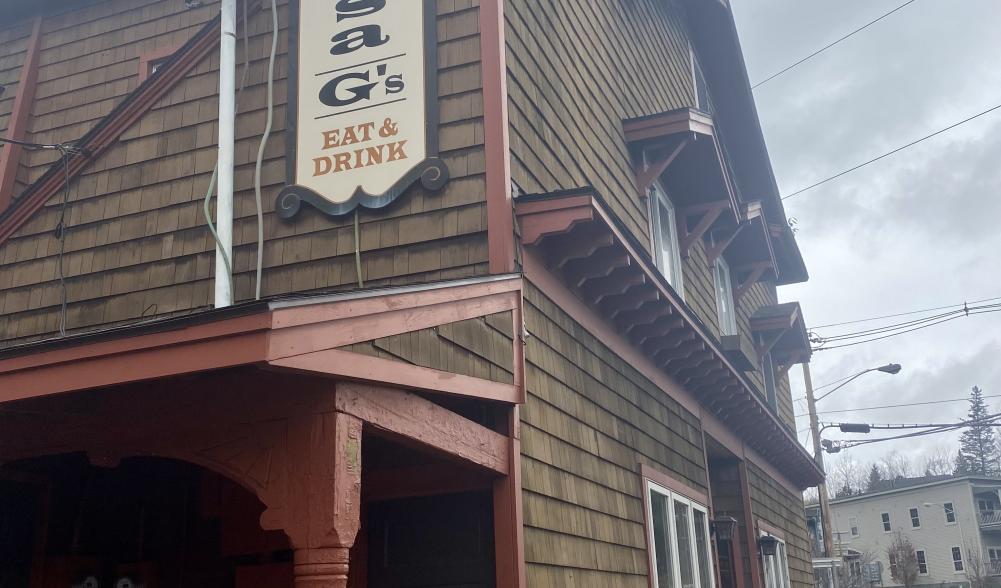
(818,455)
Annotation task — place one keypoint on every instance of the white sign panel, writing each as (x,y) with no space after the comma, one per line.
(363,104)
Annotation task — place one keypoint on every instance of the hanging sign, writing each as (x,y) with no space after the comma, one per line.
(363,112)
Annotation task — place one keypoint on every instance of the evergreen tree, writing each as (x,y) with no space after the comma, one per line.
(875,477)
(978,453)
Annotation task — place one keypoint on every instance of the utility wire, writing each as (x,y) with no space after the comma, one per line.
(829,45)
(909,313)
(906,405)
(889,153)
(970,312)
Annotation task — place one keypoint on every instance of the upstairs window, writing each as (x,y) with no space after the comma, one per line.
(699,83)
(768,373)
(950,513)
(922,562)
(665,237)
(915,519)
(724,299)
(957,559)
(678,530)
(886,522)
(853,526)
(893,565)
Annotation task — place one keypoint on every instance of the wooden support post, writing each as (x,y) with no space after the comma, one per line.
(10,154)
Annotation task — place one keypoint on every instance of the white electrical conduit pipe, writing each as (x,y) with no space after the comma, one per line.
(227,147)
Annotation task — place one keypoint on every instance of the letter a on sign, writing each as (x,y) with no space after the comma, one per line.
(363,112)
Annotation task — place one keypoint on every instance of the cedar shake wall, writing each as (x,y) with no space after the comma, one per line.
(137,244)
(576,70)
(479,348)
(780,508)
(589,421)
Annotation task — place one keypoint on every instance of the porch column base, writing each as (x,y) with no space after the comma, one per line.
(321,567)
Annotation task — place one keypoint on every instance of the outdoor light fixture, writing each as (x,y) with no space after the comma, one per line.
(890,368)
(724,528)
(768,545)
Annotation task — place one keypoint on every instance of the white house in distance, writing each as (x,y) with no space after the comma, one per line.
(948,519)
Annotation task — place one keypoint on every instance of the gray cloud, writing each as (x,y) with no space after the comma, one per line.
(915,230)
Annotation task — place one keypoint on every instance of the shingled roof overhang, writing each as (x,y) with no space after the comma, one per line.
(584,246)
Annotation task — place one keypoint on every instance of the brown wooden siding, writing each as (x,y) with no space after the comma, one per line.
(480,348)
(138,246)
(589,421)
(782,509)
(576,70)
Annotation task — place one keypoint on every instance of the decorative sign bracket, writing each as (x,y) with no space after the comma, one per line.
(363,104)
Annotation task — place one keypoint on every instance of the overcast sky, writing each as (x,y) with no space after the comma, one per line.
(913,231)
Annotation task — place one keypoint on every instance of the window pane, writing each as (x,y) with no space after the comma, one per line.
(724,299)
(702,549)
(661,539)
(684,533)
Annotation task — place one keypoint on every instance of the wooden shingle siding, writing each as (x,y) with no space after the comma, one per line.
(576,70)
(782,509)
(138,245)
(480,348)
(589,421)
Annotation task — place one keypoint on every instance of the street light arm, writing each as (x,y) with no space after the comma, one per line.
(845,383)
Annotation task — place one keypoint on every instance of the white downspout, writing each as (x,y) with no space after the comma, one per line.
(227,123)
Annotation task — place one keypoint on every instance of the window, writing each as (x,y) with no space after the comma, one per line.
(768,372)
(915,519)
(777,566)
(957,559)
(724,298)
(853,525)
(922,562)
(886,522)
(994,555)
(700,85)
(679,532)
(665,238)
(950,513)
(893,565)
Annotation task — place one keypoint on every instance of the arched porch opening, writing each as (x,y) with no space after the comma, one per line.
(140,521)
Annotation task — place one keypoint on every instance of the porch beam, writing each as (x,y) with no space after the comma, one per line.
(418,420)
(646,177)
(10,154)
(709,214)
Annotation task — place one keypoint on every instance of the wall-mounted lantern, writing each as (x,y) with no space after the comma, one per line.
(769,545)
(724,528)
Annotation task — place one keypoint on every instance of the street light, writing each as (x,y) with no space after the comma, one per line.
(890,368)
(818,453)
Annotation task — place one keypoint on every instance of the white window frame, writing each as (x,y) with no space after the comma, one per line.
(887,525)
(696,69)
(672,497)
(962,565)
(726,307)
(911,515)
(670,268)
(776,567)
(949,508)
(920,555)
(995,556)
(853,526)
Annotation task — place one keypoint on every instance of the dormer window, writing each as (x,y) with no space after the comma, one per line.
(667,251)
(724,298)
(699,83)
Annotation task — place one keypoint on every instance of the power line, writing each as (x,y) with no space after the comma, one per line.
(900,314)
(971,312)
(907,405)
(828,46)
(889,153)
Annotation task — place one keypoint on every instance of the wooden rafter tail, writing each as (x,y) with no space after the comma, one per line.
(658,328)
(597,265)
(676,340)
(616,283)
(631,300)
(580,243)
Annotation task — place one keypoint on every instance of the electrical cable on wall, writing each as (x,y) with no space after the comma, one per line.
(264,141)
